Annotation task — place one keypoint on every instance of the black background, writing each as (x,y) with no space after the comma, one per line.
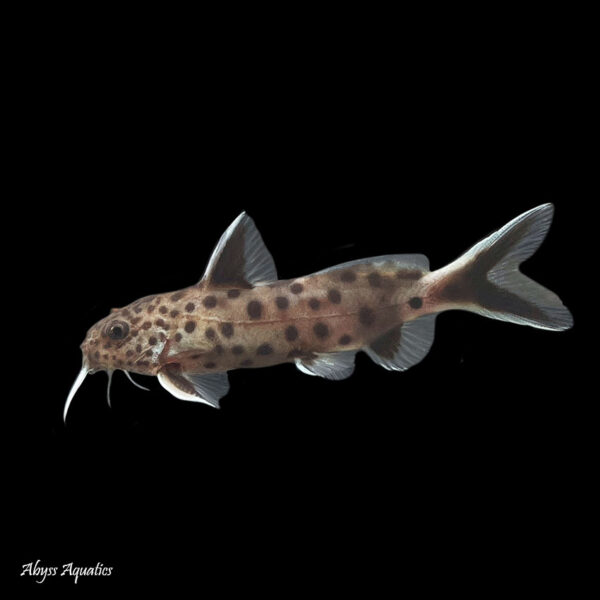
(131,161)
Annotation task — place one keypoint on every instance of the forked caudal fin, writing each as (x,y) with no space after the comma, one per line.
(486,279)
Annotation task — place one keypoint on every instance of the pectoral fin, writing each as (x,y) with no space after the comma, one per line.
(208,388)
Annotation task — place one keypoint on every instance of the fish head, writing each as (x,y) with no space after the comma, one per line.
(116,342)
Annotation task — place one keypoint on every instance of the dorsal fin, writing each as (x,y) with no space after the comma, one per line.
(240,258)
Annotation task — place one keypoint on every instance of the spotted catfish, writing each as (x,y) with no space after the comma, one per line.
(240,316)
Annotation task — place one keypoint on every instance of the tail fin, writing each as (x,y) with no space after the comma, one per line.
(486,279)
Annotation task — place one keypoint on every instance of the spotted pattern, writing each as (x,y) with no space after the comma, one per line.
(177,296)
(282,302)
(415,302)
(178,337)
(210,333)
(174,313)
(254,309)
(146,325)
(314,304)
(334,296)
(348,276)
(296,288)
(210,365)
(152,340)
(291,333)
(190,326)
(227,329)
(161,323)
(190,306)
(209,301)
(344,340)
(237,350)
(163,310)
(321,330)
(233,293)
(264,350)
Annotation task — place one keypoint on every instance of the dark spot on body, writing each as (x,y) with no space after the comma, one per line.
(209,302)
(196,356)
(210,365)
(219,349)
(237,350)
(129,363)
(254,309)
(348,276)
(227,329)
(146,325)
(174,313)
(105,356)
(366,316)
(107,345)
(344,340)
(190,306)
(210,333)
(148,353)
(246,363)
(96,355)
(291,333)
(177,296)
(152,340)
(282,302)
(334,296)
(135,320)
(143,363)
(134,333)
(129,353)
(163,310)
(138,348)
(264,350)
(119,362)
(161,323)
(190,326)
(162,336)
(374,279)
(314,303)
(321,330)
(178,337)
(137,309)
(233,293)
(126,313)
(151,308)
(296,288)
(415,302)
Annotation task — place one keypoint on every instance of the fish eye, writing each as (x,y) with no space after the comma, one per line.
(117,330)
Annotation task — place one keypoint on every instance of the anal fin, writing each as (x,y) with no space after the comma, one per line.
(405,345)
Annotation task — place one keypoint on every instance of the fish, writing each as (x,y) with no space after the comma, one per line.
(240,315)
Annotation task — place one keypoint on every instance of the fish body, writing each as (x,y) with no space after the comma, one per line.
(239,315)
